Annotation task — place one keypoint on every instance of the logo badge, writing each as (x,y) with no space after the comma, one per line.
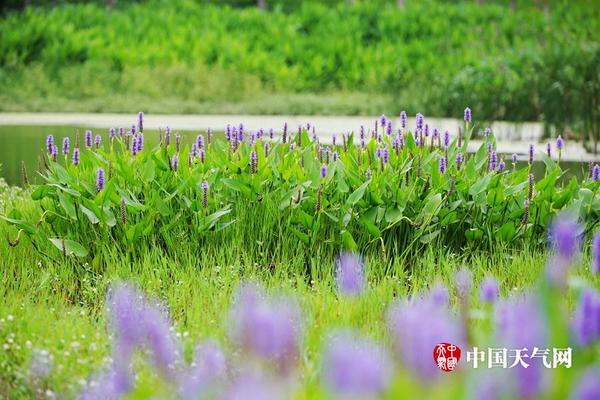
(446,356)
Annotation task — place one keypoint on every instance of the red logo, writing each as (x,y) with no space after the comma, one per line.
(446,356)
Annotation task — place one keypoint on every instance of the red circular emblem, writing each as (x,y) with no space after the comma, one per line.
(446,356)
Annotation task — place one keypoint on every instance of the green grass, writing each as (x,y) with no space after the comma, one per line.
(58,306)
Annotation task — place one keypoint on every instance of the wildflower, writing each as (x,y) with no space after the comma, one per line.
(467,114)
(493,161)
(368,173)
(88,139)
(202,155)
(362,132)
(200,141)
(133,129)
(385,155)
(121,132)
(355,367)
(388,129)
(514,158)
(383,120)
(519,324)
(419,122)
(489,290)
(49,143)
(204,187)
(417,325)
(134,147)
(271,134)
(266,327)
(40,365)
(167,136)
(54,153)
(442,164)
(253,162)
(76,156)
(177,141)
(323,171)
(65,146)
(123,210)
(350,274)
(335,156)
(175,162)
(209,366)
(284,136)
(463,279)
(596,173)
(486,132)
(596,254)
(501,165)
(100,183)
(426,130)
(446,139)
(439,294)
(530,180)
(111,133)
(140,120)
(549,150)
(403,119)
(588,385)
(140,141)
(241,133)
(560,143)
(585,324)
(531,151)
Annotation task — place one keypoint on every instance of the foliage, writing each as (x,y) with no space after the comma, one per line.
(429,55)
(371,191)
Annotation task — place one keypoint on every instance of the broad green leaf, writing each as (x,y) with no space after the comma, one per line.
(357,194)
(68,205)
(90,214)
(69,247)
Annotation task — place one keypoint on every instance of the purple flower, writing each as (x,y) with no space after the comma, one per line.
(40,365)
(549,150)
(167,136)
(266,148)
(417,326)
(493,160)
(76,156)
(467,114)
(489,291)
(383,120)
(486,132)
(54,152)
(88,139)
(586,319)
(111,133)
(531,151)
(100,183)
(175,162)
(446,138)
(514,158)
(403,119)
(253,386)
(463,280)
(200,141)
(240,136)
(49,143)
(388,128)
(267,327)
(560,143)
(335,156)
(459,160)
(368,173)
(596,254)
(362,132)
(564,234)
(378,152)
(596,173)
(271,134)
(208,368)
(426,130)
(350,274)
(419,122)
(204,187)
(133,129)
(65,146)
(202,155)
(140,142)
(501,165)
(140,120)
(323,171)
(253,162)
(355,367)
(588,385)
(121,132)
(385,155)
(440,295)
(442,164)
(519,324)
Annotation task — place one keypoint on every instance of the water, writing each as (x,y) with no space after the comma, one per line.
(25,143)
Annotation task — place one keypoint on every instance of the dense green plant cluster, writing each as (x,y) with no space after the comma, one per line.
(429,55)
(384,191)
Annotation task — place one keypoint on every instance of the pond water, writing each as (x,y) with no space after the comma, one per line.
(26,143)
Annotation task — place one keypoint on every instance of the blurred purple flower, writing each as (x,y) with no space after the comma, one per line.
(204,187)
(175,162)
(40,365)
(440,295)
(49,143)
(323,171)
(596,254)
(200,141)
(350,274)
(201,379)
(585,324)
(596,173)
(355,367)
(419,122)
(501,165)
(111,133)
(463,279)
(467,115)
(549,149)
(446,138)
(88,139)
(403,119)
(76,156)
(459,160)
(514,158)
(560,143)
(489,290)
(253,162)
(140,121)
(100,179)
(531,153)
(493,160)
(65,146)
(588,385)
(442,164)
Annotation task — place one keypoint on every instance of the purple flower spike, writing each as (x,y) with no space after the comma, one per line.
(426,130)
(65,146)
(253,162)
(586,320)
(335,156)
(403,119)
(76,156)
(560,143)
(459,160)
(514,158)
(588,386)
(385,155)
(200,141)
(493,160)
(417,325)
(564,234)
(140,141)
(383,121)
(271,134)
(323,171)
(467,114)
(549,150)
(355,367)
(266,147)
(489,291)
(141,121)
(446,139)
(268,327)
(442,164)
(463,280)
(121,132)
(596,254)
(49,143)
(501,165)
(419,122)
(97,141)
(175,162)
(88,139)
(519,324)
(133,129)
(100,183)
(440,295)
(350,274)
(54,152)
(596,173)
(204,187)
(531,151)
(111,133)
(208,368)
(388,128)
(486,132)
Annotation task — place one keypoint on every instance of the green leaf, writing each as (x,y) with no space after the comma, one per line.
(90,214)
(300,235)
(479,186)
(21,224)
(68,205)
(348,242)
(70,247)
(357,194)
(148,171)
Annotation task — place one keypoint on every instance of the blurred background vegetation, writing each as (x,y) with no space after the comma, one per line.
(507,59)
